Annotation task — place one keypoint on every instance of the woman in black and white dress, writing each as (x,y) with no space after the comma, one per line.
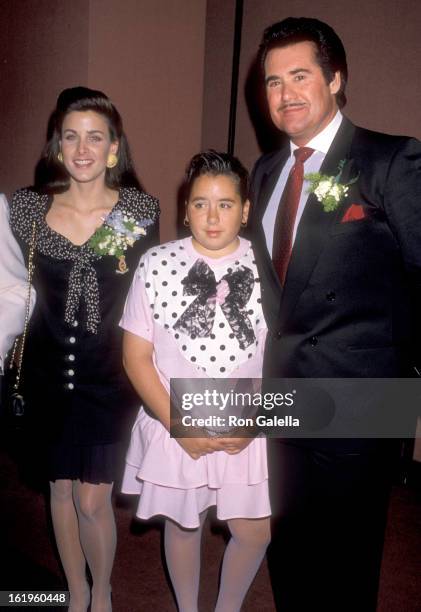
(90,222)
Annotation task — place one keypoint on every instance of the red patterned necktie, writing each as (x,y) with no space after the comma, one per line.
(287,211)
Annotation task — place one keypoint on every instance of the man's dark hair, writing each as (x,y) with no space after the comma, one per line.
(51,176)
(214,163)
(330,52)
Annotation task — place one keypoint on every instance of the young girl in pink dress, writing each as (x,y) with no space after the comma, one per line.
(168,335)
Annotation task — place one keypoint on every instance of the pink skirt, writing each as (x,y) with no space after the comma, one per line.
(172,484)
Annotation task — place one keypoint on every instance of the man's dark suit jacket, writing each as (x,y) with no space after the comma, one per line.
(351,303)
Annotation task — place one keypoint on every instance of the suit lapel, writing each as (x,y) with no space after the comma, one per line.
(269,280)
(313,229)
(269,181)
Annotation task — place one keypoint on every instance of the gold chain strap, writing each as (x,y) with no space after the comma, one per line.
(21,341)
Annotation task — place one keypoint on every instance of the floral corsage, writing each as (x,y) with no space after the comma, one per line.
(118,232)
(328,189)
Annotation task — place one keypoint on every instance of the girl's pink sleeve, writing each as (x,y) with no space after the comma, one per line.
(137,314)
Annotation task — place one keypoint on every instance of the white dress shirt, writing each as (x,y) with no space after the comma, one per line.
(321,144)
(13,285)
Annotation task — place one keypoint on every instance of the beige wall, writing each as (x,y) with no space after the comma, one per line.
(220,18)
(151,56)
(148,56)
(43,48)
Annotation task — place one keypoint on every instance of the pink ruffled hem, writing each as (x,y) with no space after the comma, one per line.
(184,505)
(173,484)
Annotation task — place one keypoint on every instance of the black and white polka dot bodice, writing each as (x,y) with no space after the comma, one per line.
(28,207)
(211,308)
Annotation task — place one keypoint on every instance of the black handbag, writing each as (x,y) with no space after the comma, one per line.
(13,400)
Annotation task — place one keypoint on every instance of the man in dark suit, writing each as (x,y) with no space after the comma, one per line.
(341,286)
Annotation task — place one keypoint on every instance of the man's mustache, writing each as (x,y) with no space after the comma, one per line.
(290,105)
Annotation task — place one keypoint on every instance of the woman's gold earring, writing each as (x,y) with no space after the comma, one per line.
(60,157)
(186,222)
(112,160)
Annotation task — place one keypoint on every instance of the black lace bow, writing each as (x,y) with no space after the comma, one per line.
(232,293)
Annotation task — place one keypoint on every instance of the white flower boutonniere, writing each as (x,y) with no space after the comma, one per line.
(118,232)
(328,189)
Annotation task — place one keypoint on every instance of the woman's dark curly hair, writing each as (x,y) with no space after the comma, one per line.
(51,175)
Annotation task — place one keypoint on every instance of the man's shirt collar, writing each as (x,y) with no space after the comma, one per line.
(322,141)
